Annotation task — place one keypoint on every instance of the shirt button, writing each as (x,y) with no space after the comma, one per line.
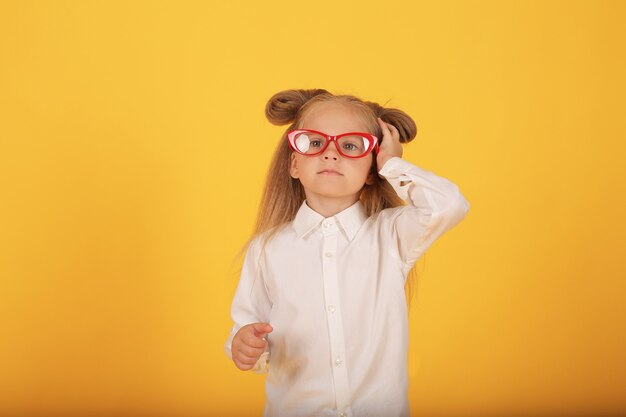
(331,309)
(338,362)
(328,255)
(327,225)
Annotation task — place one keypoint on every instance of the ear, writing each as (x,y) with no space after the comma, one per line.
(293,166)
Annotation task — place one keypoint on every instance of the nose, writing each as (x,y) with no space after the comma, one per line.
(331,152)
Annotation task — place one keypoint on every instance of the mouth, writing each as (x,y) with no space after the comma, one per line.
(329,172)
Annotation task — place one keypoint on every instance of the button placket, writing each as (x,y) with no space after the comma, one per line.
(334,319)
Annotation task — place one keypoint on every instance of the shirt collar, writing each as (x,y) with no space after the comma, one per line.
(349,220)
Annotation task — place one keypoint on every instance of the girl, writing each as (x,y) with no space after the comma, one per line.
(320,304)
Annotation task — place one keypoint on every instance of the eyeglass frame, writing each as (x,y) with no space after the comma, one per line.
(330,138)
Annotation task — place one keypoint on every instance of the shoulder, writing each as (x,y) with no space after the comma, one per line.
(388,215)
(269,239)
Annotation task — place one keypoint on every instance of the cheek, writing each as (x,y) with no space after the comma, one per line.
(303,164)
(364,166)
(301,161)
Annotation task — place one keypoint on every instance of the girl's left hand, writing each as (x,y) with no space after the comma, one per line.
(390,145)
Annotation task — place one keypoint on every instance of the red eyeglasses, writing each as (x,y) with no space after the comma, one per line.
(351,145)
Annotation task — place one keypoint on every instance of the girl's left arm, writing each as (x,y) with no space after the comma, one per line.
(434,206)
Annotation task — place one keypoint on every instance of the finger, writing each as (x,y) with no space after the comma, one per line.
(251,340)
(249,352)
(245,359)
(394,131)
(251,349)
(245,336)
(383,126)
(261,329)
(242,366)
(244,362)
(385,131)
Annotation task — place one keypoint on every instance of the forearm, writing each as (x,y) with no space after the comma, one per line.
(431,194)
(434,206)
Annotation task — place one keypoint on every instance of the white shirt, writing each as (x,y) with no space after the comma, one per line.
(333,291)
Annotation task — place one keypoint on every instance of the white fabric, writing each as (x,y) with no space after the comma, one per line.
(333,290)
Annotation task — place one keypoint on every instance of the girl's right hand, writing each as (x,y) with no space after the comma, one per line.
(390,145)
(249,344)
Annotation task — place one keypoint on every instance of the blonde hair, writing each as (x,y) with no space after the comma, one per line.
(283,195)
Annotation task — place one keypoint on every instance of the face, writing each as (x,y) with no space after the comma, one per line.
(330,175)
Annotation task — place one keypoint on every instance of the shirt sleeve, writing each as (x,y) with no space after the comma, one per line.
(251,303)
(434,206)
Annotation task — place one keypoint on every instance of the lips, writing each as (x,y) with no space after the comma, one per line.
(330,172)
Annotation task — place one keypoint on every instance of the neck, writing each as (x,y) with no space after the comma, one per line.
(329,206)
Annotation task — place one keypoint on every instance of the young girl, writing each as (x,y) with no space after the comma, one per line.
(320,304)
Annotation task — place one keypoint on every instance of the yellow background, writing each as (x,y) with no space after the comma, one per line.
(133,148)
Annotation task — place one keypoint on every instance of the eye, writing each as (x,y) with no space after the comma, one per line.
(352,144)
(316,143)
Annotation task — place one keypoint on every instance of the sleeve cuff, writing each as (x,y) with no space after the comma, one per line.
(263,364)
(395,167)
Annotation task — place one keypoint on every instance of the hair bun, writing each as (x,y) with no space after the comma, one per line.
(282,108)
(399,119)
(403,122)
